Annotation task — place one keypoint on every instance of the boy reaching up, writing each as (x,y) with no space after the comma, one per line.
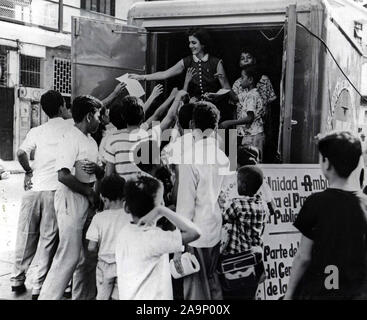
(142,249)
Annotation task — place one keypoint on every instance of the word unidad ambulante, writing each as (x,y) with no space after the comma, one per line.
(308,183)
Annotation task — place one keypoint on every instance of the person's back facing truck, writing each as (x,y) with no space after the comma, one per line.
(331,260)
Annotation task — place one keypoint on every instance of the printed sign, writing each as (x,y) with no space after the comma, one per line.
(290,185)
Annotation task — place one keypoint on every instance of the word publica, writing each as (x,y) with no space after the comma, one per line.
(287,216)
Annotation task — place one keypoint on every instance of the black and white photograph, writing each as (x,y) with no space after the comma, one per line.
(193,151)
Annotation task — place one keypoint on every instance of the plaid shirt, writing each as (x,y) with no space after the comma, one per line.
(247,217)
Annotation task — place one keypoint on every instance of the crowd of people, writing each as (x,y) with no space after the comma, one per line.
(116,219)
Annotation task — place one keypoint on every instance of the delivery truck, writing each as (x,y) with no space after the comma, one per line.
(312,51)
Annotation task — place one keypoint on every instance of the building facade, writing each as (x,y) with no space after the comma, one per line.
(35,47)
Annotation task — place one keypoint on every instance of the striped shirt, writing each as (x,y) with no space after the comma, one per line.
(120,147)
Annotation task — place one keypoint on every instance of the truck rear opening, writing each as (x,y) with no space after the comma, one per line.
(266,44)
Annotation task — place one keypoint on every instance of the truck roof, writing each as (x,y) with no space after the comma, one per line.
(183,12)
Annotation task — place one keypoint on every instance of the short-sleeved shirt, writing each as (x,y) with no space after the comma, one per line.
(336,222)
(120,148)
(105,140)
(204,80)
(75,146)
(143,271)
(246,215)
(264,87)
(44,140)
(250,101)
(104,229)
(199,185)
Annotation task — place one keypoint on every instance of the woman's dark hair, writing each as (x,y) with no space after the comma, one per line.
(203,36)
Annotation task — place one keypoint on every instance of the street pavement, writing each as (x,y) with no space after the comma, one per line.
(11,191)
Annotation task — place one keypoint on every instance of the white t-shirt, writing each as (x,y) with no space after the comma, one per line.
(44,140)
(143,271)
(199,186)
(104,229)
(75,146)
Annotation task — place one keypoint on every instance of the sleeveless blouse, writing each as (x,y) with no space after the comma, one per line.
(203,81)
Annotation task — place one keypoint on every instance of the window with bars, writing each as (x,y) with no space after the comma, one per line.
(30,71)
(62,76)
(3,70)
(101,6)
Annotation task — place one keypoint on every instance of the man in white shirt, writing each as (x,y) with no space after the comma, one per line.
(198,190)
(37,220)
(75,200)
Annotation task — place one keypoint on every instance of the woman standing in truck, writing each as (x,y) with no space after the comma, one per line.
(205,73)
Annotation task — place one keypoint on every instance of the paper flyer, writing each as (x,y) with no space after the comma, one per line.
(132,86)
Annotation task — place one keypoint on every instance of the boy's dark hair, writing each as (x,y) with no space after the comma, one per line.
(205,116)
(147,155)
(82,105)
(132,111)
(252,72)
(51,101)
(343,150)
(249,179)
(140,195)
(250,52)
(247,155)
(203,36)
(112,187)
(115,115)
(185,115)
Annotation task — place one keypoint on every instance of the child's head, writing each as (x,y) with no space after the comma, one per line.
(247,58)
(115,115)
(247,155)
(339,152)
(205,116)
(87,108)
(249,77)
(112,189)
(142,195)
(132,111)
(147,156)
(53,104)
(249,180)
(185,115)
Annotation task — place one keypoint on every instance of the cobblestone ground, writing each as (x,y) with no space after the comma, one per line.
(11,191)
